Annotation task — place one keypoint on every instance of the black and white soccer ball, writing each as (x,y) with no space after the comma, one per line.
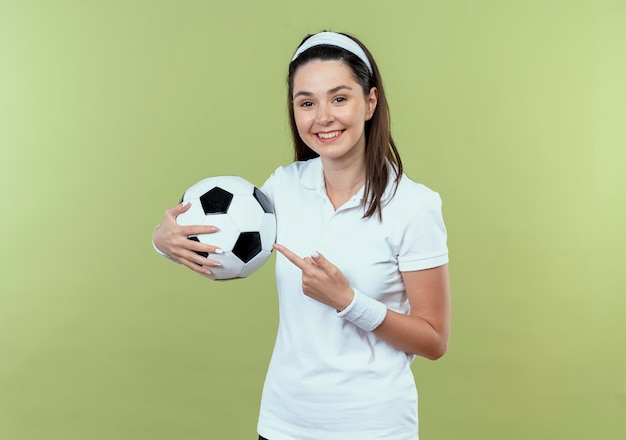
(244,216)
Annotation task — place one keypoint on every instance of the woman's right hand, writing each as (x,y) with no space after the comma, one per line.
(172,239)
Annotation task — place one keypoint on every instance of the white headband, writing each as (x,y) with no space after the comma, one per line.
(334,39)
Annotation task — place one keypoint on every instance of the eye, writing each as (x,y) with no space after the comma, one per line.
(340,99)
(305,104)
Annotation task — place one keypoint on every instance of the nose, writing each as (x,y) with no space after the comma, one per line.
(324,114)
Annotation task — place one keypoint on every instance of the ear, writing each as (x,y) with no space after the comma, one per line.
(371,103)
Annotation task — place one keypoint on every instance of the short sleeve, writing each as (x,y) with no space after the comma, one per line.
(269,187)
(423,244)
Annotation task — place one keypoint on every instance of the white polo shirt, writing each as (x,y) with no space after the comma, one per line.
(328,379)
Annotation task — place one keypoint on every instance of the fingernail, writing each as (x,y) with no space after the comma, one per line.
(315,255)
(216,264)
(219,251)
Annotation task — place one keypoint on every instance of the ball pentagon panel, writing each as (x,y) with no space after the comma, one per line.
(216,201)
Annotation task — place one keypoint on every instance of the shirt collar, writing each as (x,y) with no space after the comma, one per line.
(312,176)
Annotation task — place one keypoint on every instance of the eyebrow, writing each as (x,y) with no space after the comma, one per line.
(330,92)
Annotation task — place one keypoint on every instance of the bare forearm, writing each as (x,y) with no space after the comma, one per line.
(426,331)
(413,335)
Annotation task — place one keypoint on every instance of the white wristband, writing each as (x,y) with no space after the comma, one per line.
(364,312)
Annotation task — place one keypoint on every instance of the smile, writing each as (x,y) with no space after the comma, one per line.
(329,135)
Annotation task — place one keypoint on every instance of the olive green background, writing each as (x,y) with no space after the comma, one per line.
(514,111)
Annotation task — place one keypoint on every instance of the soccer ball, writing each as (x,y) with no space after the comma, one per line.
(244,216)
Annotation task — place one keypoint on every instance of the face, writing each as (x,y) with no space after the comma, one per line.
(330,109)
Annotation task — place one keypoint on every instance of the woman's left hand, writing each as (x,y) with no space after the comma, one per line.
(321,280)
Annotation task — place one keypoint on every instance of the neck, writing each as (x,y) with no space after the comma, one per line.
(343,181)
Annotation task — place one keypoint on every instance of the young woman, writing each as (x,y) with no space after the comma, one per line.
(361,273)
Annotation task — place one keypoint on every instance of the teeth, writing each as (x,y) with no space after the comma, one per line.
(329,135)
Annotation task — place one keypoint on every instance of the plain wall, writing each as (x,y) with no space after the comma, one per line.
(514,111)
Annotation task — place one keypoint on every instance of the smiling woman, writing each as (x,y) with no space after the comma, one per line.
(362,267)
(331,121)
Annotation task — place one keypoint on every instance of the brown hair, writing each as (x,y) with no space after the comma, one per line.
(380,148)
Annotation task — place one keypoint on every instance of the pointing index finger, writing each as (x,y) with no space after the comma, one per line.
(295,259)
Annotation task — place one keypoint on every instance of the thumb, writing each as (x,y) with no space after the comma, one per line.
(181,207)
(319,258)
(175,211)
(323,264)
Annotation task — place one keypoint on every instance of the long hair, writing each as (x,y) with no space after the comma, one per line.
(381,153)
